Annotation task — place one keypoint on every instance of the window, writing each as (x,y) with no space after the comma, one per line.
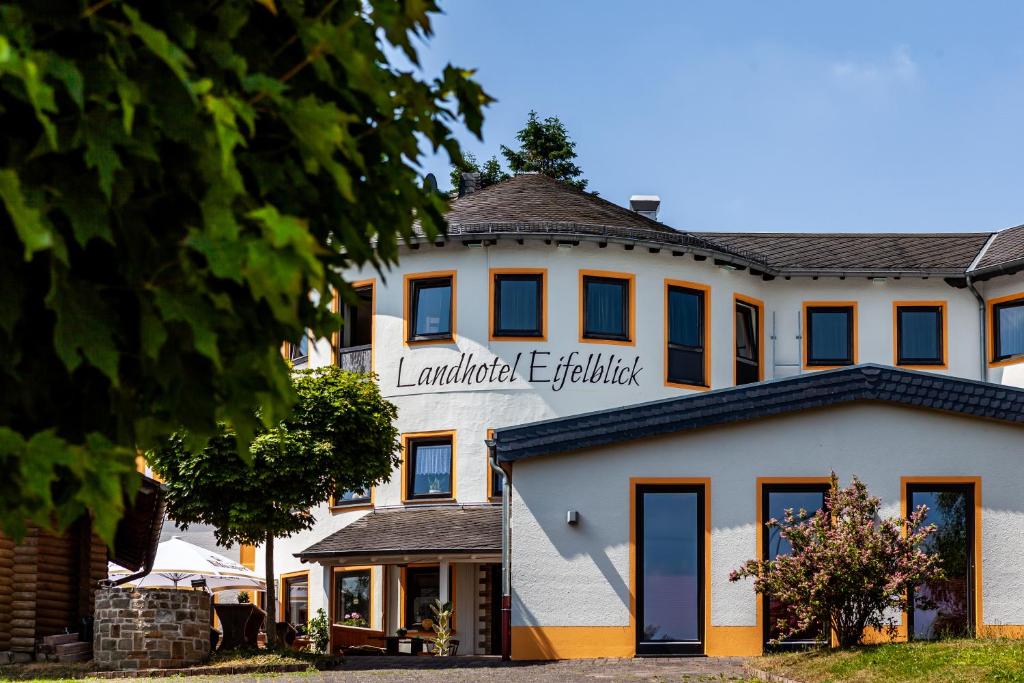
(1008,329)
(920,334)
(422,589)
(518,301)
(748,326)
(830,334)
(295,598)
(429,467)
(298,353)
(359,497)
(687,334)
(352,597)
(775,500)
(430,308)
(606,307)
(354,341)
(951,614)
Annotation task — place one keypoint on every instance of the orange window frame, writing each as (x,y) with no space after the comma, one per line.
(942,306)
(757,305)
(402,583)
(630,279)
(407,282)
(492,313)
(357,505)
(855,341)
(371,610)
(990,309)
(282,584)
(706,291)
(406,441)
(336,307)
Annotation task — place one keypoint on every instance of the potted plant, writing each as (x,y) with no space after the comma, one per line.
(434,486)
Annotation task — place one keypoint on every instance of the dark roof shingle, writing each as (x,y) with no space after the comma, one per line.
(760,400)
(427,529)
(1006,248)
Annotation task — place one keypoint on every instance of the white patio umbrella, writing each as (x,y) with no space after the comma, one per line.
(179,562)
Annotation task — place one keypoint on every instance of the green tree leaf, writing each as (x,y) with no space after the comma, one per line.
(33,230)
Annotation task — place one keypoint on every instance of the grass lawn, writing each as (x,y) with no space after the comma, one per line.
(936,662)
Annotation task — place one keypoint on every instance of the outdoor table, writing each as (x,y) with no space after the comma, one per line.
(241,623)
(403,646)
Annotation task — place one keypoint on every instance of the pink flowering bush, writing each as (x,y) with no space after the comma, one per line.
(848,568)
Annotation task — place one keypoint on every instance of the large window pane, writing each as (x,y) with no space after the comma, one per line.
(358,327)
(671,569)
(920,335)
(432,308)
(950,508)
(606,308)
(686,336)
(1009,321)
(352,598)
(349,497)
(517,305)
(296,600)
(748,358)
(830,335)
(430,469)
(422,590)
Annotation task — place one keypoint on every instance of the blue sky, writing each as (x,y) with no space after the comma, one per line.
(773,116)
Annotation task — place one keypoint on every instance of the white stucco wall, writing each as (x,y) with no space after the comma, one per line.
(579,576)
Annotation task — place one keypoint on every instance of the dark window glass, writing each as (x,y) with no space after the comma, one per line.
(358,327)
(422,589)
(497,484)
(431,309)
(352,598)
(951,509)
(605,308)
(919,335)
(1009,332)
(518,305)
(351,497)
(776,500)
(748,358)
(299,352)
(430,468)
(830,335)
(686,336)
(296,600)
(671,556)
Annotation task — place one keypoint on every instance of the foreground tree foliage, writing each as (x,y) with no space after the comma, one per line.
(339,436)
(176,176)
(848,569)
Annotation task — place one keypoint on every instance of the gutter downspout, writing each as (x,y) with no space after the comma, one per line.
(506,550)
(983,328)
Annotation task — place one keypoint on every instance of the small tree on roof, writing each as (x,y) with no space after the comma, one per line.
(545,147)
(848,569)
(339,437)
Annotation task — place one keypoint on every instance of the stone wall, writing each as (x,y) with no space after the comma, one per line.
(151,628)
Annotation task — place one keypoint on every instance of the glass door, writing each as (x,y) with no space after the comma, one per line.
(670,571)
(950,614)
(775,500)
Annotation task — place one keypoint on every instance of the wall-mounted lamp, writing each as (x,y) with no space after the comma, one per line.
(572,517)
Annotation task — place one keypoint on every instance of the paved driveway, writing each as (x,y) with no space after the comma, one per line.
(472,669)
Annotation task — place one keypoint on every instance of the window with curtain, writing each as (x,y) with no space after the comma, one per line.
(518,305)
(296,599)
(429,468)
(686,336)
(919,335)
(1008,320)
(352,597)
(431,309)
(605,308)
(829,335)
(748,358)
(352,497)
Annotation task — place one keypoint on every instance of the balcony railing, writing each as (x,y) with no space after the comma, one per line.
(356,358)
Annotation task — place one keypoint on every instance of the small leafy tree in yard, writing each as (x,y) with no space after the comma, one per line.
(545,147)
(339,436)
(442,639)
(319,631)
(847,569)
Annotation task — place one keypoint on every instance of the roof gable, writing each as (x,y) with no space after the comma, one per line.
(763,399)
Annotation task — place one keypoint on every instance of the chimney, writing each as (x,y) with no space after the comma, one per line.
(646,205)
(469,183)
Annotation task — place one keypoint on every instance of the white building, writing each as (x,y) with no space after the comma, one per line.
(544,304)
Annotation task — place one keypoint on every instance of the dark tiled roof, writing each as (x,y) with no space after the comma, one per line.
(764,399)
(1007,248)
(794,252)
(427,529)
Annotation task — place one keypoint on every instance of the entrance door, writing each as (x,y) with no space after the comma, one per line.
(670,570)
(951,509)
(775,500)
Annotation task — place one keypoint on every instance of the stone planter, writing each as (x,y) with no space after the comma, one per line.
(142,628)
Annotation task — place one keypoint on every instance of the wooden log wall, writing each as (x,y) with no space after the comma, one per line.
(6,590)
(23,603)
